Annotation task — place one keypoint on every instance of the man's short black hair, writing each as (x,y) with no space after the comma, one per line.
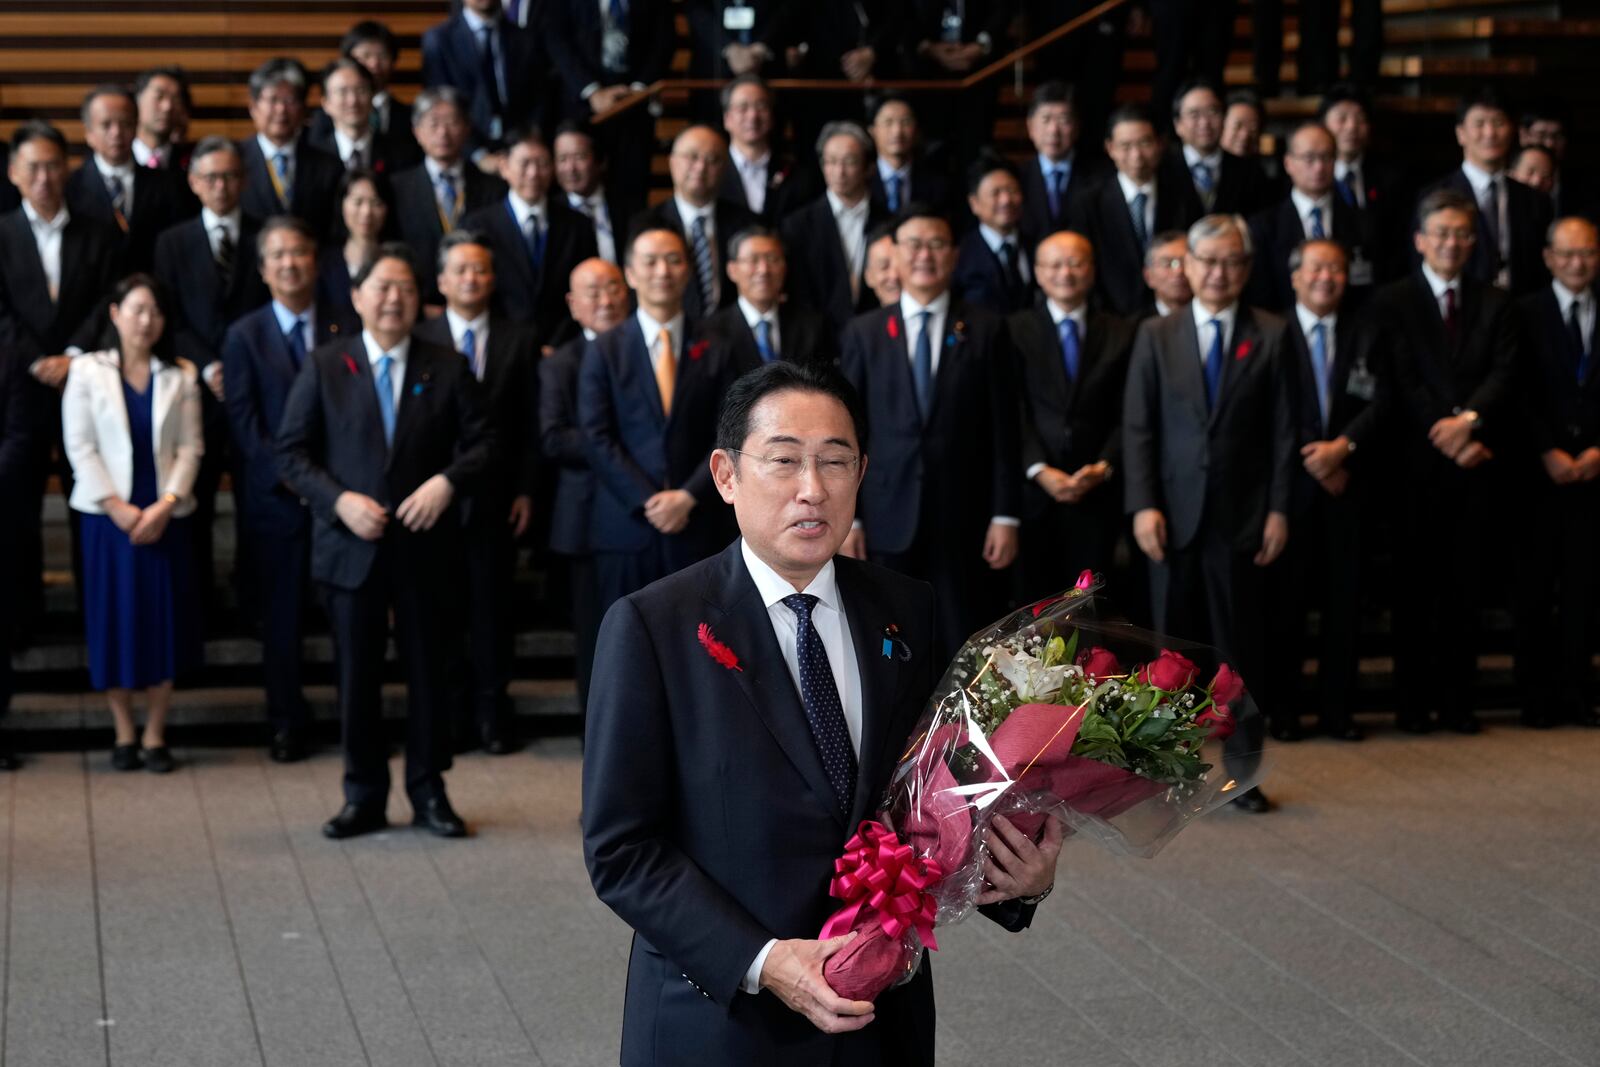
(346,63)
(1343,93)
(580,128)
(633,238)
(37,130)
(1129,112)
(106,89)
(748,78)
(1516,157)
(921,209)
(1192,86)
(1247,98)
(879,101)
(387,250)
(290,223)
(179,77)
(733,422)
(369,30)
(1445,199)
(1485,97)
(1052,92)
(986,164)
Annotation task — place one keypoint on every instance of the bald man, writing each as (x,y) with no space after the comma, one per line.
(598,299)
(1074,362)
(706,221)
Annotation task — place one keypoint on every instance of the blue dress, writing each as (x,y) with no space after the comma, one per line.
(138,600)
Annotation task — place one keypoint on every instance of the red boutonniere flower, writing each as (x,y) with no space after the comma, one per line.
(717,650)
(894,328)
(1372,194)
(1244,349)
(699,349)
(350,365)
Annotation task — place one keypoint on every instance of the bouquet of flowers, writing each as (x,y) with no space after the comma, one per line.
(1112,729)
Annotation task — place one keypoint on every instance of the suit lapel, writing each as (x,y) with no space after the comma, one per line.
(365,393)
(419,377)
(1189,374)
(880,678)
(637,352)
(1245,337)
(164,391)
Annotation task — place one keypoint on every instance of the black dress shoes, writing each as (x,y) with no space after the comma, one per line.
(1252,800)
(287,747)
(496,743)
(158,760)
(8,758)
(354,820)
(126,758)
(436,816)
(1286,730)
(1342,731)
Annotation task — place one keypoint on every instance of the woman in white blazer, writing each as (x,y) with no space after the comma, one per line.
(131,423)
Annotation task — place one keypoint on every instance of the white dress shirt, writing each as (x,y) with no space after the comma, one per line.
(753,176)
(124,174)
(1130,190)
(142,153)
(1302,207)
(851,222)
(348,145)
(1481,181)
(397,369)
(47,238)
(1586,310)
(593,206)
(995,239)
(1203,330)
(1438,286)
(229,223)
(652,335)
(770,317)
(1162,309)
(828,618)
(1213,162)
(480,338)
(382,110)
(521,209)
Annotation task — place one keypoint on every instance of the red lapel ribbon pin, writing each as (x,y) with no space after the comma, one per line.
(1244,349)
(698,349)
(718,651)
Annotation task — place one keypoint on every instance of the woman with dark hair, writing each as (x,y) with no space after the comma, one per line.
(131,422)
(364,208)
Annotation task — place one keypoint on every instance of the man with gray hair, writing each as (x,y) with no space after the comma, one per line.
(827,239)
(284,175)
(1208,456)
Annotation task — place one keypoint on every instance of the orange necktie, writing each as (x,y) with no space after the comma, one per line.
(666,371)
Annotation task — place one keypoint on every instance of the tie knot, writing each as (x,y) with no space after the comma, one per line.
(385,362)
(801,604)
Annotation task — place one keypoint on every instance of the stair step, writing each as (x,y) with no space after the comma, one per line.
(1487,28)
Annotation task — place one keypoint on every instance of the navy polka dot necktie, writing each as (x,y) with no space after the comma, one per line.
(824,711)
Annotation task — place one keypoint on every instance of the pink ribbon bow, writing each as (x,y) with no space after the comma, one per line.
(880,874)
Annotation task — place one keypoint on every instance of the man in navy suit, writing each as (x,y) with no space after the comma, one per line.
(761,326)
(943,498)
(110,187)
(283,174)
(351,133)
(715,800)
(380,434)
(1208,456)
(598,301)
(826,239)
(1212,180)
(537,239)
(502,354)
(1554,660)
(904,175)
(262,353)
(582,172)
(499,68)
(1058,174)
(165,105)
(648,393)
(993,268)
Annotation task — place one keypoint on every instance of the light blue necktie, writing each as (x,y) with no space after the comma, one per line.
(764,341)
(1317,232)
(385,386)
(469,348)
(280,162)
(1056,190)
(1319,366)
(892,193)
(1204,181)
(922,364)
(1069,347)
(1214,364)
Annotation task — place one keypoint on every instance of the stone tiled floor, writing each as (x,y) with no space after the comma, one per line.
(1414,901)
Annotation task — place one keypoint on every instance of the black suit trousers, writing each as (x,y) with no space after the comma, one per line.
(1068,539)
(406,578)
(484,668)
(281,564)
(1555,615)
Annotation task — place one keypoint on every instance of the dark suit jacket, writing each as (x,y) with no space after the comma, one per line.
(774,27)
(965,463)
(803,337)
(259,370)
(924,21)
(818,275)
(830,28)
(1070,423)
(1529,213)
(313,195)
(1229,466)
(577,37)
(727,830)
(1433,378)
(31,324)
(1037,224)
(928,186)
(1102,216)
(331,440)
(635,451)
(786,184)
(510,393)
(22,448)
(1563,412)
(420,224)
(729,219)
(204,310)
(387,153)
(10,198)
(1276,231)
(535,297)
(1241,186)
(451,55)
(1357,398)
(159,200)
(563,444)
(981,279)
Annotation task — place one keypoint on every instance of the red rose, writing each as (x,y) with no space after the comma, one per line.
(1099,663)
(1085,580)
(1219,718)
(1171,671)
(1227,686)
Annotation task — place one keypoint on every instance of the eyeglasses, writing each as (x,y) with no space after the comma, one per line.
(835,467)
(916,245)
(1568,254)
(1448,233)
(1231,264)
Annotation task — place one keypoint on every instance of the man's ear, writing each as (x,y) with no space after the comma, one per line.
(724,474)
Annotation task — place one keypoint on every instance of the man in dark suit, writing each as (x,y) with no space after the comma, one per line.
(714,800)
(827,239)
(502,354)
(350,133)
(603,53)
(54,269)
(431,200)
(1312,211)
(757,176)
(1129,206)
(943,497)
(647,403)
(760,326)
(1512,218)
(165,105)
(374,46)
(598,301)
(903,175)
(381,433)
(1164,276)
(262,353)
(1208,457)
(1213,181)
(1452,349)
(992,262)
(537,240)
(283,174)
(705,220)
(1073,365)
(1337,406)
(1368,182)
(110,188)
(946,40)
(499,68)
(732,38)
(1058,174)
(10,199)
(581,172)
(1555,671)
(22,444)
(1544,125)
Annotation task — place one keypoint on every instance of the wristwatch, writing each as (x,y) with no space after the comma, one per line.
(170,498)
(1031,901)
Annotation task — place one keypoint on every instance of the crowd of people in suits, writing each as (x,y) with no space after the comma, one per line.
(418,337)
